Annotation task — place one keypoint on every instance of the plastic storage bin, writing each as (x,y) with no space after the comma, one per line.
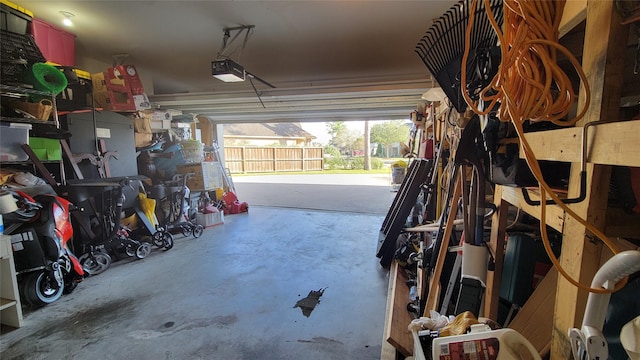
(46,149)
(12,139)
(14,18)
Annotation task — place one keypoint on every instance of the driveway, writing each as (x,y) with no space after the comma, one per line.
(356,193)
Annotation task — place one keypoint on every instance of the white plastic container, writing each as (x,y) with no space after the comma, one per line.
(630,338)
(483,344)
(11,140)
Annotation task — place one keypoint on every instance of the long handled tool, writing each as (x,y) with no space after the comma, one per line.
(440,248)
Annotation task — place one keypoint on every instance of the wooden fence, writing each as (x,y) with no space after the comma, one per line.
(254,159)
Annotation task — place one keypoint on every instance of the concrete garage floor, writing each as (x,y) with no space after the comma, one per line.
(231,293)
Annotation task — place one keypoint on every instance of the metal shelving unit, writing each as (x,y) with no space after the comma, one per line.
(15,92)
(10,305)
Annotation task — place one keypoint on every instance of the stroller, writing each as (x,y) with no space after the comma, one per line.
(174,197)
(101,234)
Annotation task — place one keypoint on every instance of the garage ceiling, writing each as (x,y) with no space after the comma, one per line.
(329,60)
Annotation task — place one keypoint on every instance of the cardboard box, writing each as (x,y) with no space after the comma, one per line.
(160,125)
(208,220)
(161,115)
(46,149)
(129,74)
(141,102)
(102,82)
(205,175)
(156,114)
(142,139)
(114,101)
(142,125)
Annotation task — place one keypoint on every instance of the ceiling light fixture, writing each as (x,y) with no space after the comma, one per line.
(67,18)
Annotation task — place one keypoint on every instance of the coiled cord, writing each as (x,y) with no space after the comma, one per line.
(529,85)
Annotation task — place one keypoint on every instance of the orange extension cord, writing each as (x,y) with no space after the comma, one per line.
(529,85)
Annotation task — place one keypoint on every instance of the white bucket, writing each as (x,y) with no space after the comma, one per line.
(630,338)
(474,262)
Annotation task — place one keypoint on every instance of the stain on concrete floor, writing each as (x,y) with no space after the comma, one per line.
(310,302)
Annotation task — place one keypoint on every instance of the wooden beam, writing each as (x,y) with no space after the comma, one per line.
(397,323)
(613,143)
(434,279)
(555,214)
(496,246)
(575,11)
(388,352)
(621,224)
(602,62)
(535,320)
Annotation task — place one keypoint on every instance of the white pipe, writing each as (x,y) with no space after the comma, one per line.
(620,265)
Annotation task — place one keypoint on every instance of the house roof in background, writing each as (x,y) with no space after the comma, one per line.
(292,130)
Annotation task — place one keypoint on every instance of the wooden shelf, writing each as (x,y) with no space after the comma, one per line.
(396,330)
(6,303)
(613,143)
(10,306)
(542,319)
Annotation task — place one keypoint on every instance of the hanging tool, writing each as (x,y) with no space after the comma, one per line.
(442,47)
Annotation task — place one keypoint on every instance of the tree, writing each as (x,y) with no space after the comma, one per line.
(332,158)
(336,128)
(342,137)
(389,133)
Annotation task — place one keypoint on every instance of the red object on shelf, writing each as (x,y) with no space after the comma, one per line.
(114,100)
(57,45)
(129,74)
